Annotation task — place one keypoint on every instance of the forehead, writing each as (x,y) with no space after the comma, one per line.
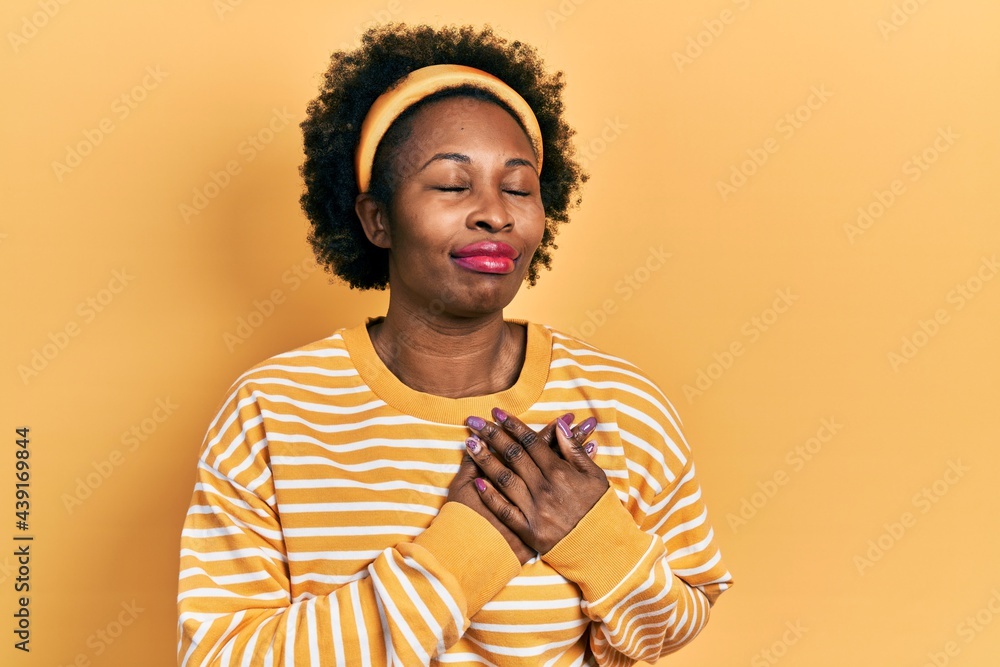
(462,124)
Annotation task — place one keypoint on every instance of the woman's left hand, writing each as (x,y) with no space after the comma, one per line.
(538,494)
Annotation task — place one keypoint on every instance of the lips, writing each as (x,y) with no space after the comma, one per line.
(486,257)
(486,249)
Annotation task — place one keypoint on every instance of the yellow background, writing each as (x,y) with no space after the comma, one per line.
(670,99)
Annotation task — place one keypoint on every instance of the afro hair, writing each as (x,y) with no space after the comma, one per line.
(351,84)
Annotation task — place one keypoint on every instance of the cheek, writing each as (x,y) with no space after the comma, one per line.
(421,244)
(537,226)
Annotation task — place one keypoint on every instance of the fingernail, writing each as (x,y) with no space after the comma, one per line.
(475,422)
(590,447)
(480,484)
(588,425)
(568,417)
(565,429)
(499,415)
(472,444)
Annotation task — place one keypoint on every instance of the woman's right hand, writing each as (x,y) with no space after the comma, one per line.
(463,490)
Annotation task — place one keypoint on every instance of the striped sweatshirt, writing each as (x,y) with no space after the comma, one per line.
(319,533)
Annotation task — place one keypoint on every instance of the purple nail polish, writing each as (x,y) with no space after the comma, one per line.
(568,418)
(480,484)
(588,425)
(591,446)
(561,425)
(499,415)
(472,444)
(475,422)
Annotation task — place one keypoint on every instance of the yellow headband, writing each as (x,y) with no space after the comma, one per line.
(419,84)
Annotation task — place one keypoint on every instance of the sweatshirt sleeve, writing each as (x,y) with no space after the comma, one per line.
(650,572)
(235,605)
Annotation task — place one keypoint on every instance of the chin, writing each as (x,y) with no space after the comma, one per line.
(478,300)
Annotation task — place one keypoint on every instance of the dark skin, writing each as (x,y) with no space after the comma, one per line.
(537,491)
(468,174)
(462,187)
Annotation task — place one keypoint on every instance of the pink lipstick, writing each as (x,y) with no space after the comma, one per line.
(486,257)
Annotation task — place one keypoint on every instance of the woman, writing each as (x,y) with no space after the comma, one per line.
(412,489)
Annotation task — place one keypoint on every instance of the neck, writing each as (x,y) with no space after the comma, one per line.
(450,356)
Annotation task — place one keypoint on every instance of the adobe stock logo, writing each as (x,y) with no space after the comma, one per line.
(797,458)
(562,12)
(753,328)
(30,25)
(712,30)
(778,649)
(967,630)
(121,108)
(626,288)
(959,296)
(102,470)
(101,639)
(901,14)
(247,325)
(598,145)
(914,168)
(248,150)
(787,126)
(924,500)
(87,310)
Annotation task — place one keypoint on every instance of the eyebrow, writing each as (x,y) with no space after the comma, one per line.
(465,159)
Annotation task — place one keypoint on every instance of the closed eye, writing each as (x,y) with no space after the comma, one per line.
(457,188)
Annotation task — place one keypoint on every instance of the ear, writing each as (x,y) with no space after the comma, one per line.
(373,219)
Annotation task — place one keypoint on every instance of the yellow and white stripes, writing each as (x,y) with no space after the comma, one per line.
(319,533)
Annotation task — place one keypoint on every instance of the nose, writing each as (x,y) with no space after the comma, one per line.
(490,212)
